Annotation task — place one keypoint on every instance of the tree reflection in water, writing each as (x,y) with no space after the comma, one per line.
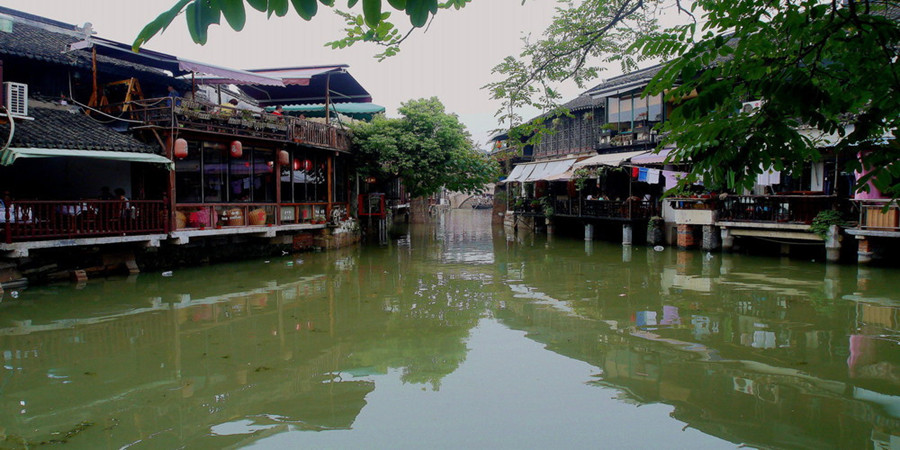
(772,353)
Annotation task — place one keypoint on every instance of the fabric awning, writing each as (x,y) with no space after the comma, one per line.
(609,159)
(10,155)
(536,171)
(652,158)
(551,169)
(224,75)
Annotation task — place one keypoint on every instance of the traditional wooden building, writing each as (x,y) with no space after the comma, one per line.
(106,146)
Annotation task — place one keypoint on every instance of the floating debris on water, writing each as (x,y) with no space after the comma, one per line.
(167,273)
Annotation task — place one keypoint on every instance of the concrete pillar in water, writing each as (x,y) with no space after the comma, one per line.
(588,231)
(727,239)
(626,253)
(685,236)
(711,237)
(864,251)
(589,248)
(549,223)
(626,234)
(833,244)
(785,249)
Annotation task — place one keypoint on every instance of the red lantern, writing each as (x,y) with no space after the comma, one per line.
(307,165)
(237,149)
(181,148)
(284,158)
(296,164)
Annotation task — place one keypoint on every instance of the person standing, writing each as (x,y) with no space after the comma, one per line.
(279,111)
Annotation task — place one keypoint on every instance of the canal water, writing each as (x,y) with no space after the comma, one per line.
(458,335)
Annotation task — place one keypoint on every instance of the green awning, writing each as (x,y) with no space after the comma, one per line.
(10,155)
(354,110)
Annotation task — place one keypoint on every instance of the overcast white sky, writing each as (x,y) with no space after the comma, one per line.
(452,60)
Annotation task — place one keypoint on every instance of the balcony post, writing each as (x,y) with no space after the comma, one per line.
(588,232)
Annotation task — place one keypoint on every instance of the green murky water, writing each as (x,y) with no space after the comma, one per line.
(459,336)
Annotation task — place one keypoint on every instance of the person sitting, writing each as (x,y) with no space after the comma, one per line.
(279,111)
(228,108)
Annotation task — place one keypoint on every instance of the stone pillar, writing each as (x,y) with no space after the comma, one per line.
(588,248)
(589,232)
(549,222)
(864,252)
(626,253)
(785,250)
(727,239)
(833,244)
(685,236)
(626,234)
(711,237)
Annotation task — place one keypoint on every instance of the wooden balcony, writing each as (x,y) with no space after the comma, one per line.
(23,221)
(792,208)
(627,210)
(193,115)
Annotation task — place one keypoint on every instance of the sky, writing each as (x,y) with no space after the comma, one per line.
(452,60)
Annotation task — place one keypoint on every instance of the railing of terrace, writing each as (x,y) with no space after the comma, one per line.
(595,209)
(774,208)
(44,220)
(879,215)
(195,115)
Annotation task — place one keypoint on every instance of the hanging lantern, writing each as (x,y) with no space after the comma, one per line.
(296,164)
(370,180)
(237,149)
(181,148)
(307,165)
(284,158)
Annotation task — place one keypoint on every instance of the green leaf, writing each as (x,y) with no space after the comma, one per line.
(351,3)
(372,12)
(200,15)
(398,4)
(278,7)
(305,8)
(158,25)
(259,5)
(418,12)
(234,13)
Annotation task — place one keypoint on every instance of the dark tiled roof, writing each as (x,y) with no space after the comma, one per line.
(583,101)
(628,78)
(46,40)
(59,128)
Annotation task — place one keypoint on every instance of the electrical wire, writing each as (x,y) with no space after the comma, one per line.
(103,113)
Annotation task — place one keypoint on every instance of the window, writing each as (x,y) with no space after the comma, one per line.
(188,184)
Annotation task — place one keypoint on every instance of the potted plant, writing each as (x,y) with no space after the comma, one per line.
(824,221)
(655,233)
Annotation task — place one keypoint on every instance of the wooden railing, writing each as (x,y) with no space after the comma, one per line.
(202,216)
(801,209)
(879,215)
(44,220)
(199,116)
(595,209)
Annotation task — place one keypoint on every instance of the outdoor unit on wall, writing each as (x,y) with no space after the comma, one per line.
(16,95)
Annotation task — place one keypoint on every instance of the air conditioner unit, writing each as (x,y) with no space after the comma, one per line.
(16,95)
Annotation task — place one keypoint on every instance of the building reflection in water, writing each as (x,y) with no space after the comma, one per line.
(752,350)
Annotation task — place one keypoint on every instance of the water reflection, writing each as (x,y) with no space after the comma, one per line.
(767,352)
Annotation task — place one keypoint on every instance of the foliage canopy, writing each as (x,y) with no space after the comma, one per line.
(823,69)
(426,148)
